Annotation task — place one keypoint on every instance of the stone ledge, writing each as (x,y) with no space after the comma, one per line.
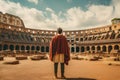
(38,57)
(11,62)
(21,57)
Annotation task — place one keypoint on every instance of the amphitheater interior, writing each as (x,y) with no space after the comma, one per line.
(15,38)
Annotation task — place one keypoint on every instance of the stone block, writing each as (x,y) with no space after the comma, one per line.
(38,57)
(12,62)
(21,57)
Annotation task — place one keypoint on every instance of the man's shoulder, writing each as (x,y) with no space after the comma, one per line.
(59,36)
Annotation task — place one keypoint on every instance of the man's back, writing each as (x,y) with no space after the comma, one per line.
(60,43)
(59,52)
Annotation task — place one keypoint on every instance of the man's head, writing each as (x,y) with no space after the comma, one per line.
(59,30)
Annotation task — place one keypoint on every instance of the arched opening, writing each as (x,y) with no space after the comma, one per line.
(37,48)
(22,47)
(32,48)
(27,47)
(11,47)
(98,48)
(104,48)
(5,47)
(82,49)
(109,48)
(87,48)
(42,49)
(0,47)
(77,49)
(47,49)
(93,47)
(116,47)
(16,47)
(72,49)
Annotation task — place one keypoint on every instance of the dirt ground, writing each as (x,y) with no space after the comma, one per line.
(43,70)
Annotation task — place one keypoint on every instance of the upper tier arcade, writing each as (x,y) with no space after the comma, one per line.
(11,20)
(14,36)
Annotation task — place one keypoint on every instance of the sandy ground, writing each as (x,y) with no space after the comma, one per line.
(43,70)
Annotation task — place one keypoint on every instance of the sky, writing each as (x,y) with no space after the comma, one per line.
(67,14)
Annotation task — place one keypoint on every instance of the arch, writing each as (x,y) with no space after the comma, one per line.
(16,47)
(33,48)
(0,47)
(22,47)
(109,48)
(104,48)
(82,49)
(98,48)
(72,49)
(42,49)
(5,47)
(27,47)
(93,47)
(37,48)
(11,47)
(81,39)
(47,49)
(116,47)
(87,48)
(77,49)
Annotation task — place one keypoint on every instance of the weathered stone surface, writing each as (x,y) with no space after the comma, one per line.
(1,58)
(38,57)
(21,57)
(12,62)
(110,59)
(93,59)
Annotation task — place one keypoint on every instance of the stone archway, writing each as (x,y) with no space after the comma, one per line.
(22,48)
(72,49)
(109,48)
(93,49)
(42,49)
(82,49)
(104,48)
(16,47)
(98,48)
(116,47)
(5,47)
(37,48)
(77,49)
(11,47)
(28,48)
(33,48)
(47,49)
(88,48)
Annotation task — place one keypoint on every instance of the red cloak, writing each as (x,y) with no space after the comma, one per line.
(59,45)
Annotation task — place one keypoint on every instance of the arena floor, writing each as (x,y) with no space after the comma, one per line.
(43,70)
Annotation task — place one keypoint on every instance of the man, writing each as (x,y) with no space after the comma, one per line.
(59,52)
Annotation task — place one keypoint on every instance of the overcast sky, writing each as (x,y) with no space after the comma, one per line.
(68,14)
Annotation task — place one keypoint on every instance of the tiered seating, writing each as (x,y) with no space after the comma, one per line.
(101,36)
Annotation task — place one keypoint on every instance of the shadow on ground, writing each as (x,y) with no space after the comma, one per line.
(80,79)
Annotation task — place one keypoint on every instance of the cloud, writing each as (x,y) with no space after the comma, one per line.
(32,17)
(49,9)
(33,1)
(72,19)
